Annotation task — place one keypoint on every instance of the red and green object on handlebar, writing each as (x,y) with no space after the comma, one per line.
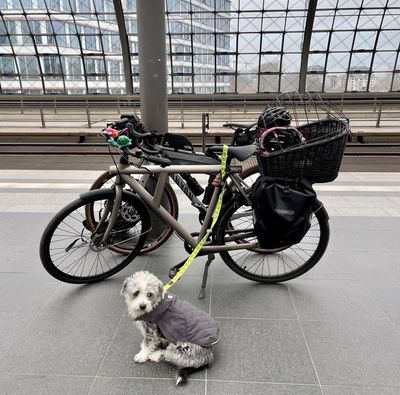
(117,139)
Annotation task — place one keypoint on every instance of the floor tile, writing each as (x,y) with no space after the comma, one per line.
(25,292)
(237,388)
(143,386)
(357,353)
(57,344)
(365,240)
(361,390)
(334,300)
(356,265)
(23,231)
(362,212)
(333,265)
(262,351)
(370,202)
(245,299)
(349,225)
(13,384)
(101,298)
(11,328)
(387,294)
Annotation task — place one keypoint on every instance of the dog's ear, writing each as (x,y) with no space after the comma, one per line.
(161,290)
(124,287)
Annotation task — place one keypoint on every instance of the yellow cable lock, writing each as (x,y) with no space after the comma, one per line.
(200,245)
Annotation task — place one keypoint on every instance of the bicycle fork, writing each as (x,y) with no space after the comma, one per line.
(113,207)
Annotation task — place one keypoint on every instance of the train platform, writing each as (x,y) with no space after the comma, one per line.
(334,331)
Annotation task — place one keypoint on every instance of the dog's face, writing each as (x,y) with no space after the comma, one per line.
(142,292)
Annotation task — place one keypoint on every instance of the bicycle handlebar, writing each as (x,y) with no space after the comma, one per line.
(151,158)
(137,135)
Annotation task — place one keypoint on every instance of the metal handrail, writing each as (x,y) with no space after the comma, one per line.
(184,109)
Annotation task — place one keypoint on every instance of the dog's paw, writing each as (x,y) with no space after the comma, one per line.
(141,357)
(156,356)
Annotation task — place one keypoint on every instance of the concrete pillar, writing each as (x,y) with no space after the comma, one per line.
(152,63)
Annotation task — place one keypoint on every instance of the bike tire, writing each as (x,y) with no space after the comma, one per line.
(281,264)
(160,232)
(70,250)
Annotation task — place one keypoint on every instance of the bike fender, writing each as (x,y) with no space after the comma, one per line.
(320,207)
(110,193)
(85,196)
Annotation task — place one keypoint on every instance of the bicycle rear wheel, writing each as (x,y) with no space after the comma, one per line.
(71,249)
(160,232)
(271,266)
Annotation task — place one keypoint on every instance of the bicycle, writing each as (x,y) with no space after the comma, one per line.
(244,134)
(82,243)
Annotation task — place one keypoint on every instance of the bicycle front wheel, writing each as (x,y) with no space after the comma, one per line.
(270,266)
(73,250)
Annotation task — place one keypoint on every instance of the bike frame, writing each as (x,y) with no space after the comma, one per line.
(123,174)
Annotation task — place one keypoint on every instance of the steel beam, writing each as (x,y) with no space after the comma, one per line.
(152,63)
(312,6)
(126,58)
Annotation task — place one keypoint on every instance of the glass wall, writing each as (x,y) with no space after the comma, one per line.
(60,46)
(213,46)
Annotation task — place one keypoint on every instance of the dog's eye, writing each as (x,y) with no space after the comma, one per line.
(136,294)
(149,295)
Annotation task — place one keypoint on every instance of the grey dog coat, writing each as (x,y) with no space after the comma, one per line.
(180,321)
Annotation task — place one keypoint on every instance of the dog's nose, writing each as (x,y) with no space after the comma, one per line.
(142,306)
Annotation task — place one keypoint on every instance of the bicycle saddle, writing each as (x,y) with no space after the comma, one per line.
(239,125)
(240,153)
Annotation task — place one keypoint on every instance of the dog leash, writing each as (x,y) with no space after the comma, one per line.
(201,243)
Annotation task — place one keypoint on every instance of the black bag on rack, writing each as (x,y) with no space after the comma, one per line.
(282,210)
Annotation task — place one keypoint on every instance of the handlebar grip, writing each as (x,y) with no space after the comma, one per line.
(150,158)
(157,159)
(148,150)
(122,121)
(136,134)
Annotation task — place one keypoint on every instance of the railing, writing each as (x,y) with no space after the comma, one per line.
(379,110)
(78,118)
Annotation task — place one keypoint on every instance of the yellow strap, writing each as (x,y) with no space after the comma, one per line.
(199,246)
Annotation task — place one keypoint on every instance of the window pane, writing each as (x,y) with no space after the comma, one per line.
(314,82)
(335,82)
(7,65)
(247,83)
(361,61)
(338,61)
(380,82)
(28,65)
(269,83)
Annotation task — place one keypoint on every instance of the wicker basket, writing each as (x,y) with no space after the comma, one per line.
(319,159)
(326,136)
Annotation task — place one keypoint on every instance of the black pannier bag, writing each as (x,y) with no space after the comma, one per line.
(282,210)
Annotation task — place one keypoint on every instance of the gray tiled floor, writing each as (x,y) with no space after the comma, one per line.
(334,331)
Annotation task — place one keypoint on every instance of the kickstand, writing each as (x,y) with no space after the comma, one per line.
(202,293)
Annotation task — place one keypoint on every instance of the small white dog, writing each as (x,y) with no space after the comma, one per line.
(173,330)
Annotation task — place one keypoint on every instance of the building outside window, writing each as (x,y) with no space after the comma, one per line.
(213,46)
